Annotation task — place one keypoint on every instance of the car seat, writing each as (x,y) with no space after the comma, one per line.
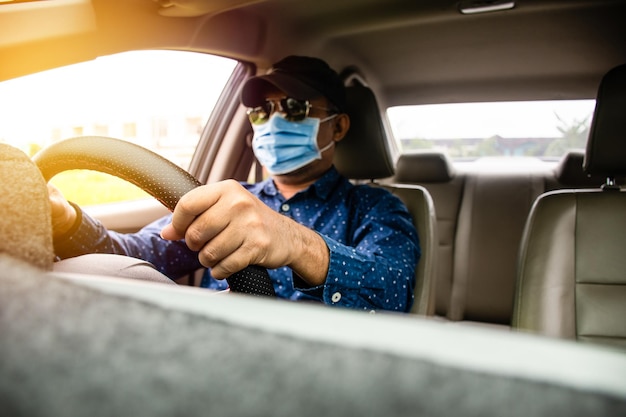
(571,277)
(364,154)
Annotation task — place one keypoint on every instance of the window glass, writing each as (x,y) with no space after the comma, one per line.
(542,129)
(160,100)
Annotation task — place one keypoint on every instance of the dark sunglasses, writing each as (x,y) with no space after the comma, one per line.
(295,110)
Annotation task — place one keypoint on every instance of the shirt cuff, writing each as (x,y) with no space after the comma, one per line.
(342,285)
(77,240)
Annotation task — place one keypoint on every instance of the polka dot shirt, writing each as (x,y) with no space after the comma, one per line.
(373,245)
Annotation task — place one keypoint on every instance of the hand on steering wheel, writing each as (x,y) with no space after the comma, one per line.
(152,173)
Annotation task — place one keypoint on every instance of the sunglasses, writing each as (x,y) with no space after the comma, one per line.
(295,110)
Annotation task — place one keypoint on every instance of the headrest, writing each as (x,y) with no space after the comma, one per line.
(25,224)
(570,171)
(364,152)
(418,167)
(606,146)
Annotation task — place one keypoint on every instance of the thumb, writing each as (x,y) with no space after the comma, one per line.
(169,233)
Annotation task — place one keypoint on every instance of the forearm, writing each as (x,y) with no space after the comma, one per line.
(369,279)
(88,235)
(84,235)
(374,271)
(313,257)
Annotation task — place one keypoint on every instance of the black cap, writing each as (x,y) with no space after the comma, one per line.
(300,77)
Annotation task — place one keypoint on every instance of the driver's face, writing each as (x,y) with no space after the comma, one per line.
(325,135)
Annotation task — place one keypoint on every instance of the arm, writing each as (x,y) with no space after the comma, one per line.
(75,233)
(231,229)
(373,265)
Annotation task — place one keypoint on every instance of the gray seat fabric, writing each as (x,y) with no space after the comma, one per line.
(435,172)
(489,229)
(150,350)
(420,205)
(112,265)
(480,219)
(364,154)
(571,277)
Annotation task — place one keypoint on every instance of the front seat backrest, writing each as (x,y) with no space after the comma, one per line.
(572,268)
(25,223)
(364,155)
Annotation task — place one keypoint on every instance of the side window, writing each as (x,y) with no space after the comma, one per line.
(160,100)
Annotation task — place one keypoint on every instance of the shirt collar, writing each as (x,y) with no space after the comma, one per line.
(323,187)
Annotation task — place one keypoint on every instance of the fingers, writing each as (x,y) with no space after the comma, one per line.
(206,211)
(239,245)
(57,201)
(225,259)
(196,208)
(190,206)
(62,213)
(229,227)
(169,233)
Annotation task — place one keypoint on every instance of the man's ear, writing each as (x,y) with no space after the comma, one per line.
(341,126)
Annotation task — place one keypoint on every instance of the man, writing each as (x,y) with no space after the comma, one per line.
(321,237)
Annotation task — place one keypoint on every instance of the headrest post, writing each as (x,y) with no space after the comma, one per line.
(610,185)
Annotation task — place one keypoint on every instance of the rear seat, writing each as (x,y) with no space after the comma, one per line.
(480,220)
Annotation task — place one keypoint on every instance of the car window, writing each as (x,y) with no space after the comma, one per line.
(160,100)
(469,131)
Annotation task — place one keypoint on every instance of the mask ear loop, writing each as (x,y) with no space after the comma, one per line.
(327,147)
(258,168)
(332,142)
(249,136)
(325,119)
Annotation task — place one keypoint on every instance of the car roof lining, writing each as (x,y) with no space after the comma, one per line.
(408,51)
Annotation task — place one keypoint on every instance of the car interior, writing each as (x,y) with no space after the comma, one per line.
(520,291)
(564,261)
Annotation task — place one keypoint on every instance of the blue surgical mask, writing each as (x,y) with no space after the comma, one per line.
(283,146)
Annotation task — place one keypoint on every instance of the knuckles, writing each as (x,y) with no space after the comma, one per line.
(208,257)
(238,213)
(194,238)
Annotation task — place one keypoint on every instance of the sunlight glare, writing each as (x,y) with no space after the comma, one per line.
(122,86)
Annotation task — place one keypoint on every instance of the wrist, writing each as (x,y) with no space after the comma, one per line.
(313,257)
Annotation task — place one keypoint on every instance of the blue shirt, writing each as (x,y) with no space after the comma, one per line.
(374,247)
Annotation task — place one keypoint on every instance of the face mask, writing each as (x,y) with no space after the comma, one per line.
(282,146)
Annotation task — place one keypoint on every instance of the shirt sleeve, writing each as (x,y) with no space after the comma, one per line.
(173,259)
(377,269)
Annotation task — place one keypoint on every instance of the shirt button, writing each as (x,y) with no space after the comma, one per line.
(284,207)
(336,297)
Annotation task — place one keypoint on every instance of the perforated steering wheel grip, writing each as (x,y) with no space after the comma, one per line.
(152,173)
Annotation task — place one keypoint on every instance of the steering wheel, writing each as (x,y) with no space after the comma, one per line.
(152,173)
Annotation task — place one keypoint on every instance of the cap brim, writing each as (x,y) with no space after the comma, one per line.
(255,89)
